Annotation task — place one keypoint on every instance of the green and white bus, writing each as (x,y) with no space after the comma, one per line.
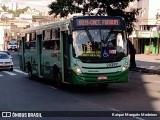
(80,50)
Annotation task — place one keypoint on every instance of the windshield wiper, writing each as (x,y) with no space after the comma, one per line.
(89,35)
(106,39)
(109,34)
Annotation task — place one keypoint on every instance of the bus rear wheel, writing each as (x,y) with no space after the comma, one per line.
(30,75)
(58,79)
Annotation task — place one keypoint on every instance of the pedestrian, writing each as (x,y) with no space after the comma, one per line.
(132,54)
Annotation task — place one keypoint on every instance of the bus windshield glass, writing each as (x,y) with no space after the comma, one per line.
(99,43)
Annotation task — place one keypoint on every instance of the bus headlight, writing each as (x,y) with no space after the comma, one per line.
(125,67)
(77,70)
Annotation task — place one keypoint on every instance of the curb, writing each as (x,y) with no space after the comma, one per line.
(145,70)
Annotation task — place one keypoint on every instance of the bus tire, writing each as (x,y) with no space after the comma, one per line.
(57,77)
(58,80)
(30,75)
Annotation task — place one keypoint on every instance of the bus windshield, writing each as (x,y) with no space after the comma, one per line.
(100,43)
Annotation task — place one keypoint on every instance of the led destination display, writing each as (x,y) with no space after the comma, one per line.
(97,22)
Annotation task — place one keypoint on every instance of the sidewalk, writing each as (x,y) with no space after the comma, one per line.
(147,63)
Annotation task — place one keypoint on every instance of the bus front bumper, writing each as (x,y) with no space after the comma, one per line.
(86,78)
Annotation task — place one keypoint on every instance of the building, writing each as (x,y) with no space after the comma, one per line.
(13,6)
(147,34)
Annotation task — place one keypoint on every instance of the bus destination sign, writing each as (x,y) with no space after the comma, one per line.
(97,22)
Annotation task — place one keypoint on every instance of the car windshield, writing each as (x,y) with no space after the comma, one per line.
(4,56)
(12,43)
(6,52)
(99,43)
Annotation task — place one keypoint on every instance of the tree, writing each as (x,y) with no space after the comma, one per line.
(17,12)
(4,8)
(102,7)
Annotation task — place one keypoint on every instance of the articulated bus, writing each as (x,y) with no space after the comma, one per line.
(80,50)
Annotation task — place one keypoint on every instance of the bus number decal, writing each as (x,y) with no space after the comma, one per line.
(112,64)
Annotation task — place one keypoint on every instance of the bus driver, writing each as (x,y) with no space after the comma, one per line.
(119,43)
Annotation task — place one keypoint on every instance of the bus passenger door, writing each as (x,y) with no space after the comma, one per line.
(39,54)
(66,57)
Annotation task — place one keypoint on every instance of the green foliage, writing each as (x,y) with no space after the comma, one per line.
(103,7)
(17,12)
(4,8)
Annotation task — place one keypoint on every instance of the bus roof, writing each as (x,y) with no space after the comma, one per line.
(81,21)
(46,26)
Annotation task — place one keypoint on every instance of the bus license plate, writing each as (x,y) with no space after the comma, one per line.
(102,77)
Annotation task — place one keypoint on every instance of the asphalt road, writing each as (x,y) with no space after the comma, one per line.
(18,93)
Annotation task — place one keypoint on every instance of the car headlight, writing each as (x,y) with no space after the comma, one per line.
(77,70)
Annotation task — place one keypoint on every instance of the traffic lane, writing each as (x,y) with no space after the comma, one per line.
(131,96)
(15,58)
(141,93)
(21,94)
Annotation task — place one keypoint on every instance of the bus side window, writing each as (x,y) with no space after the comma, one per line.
(27,45)
(47,45)
(55,33)
(32,45)
(56,45)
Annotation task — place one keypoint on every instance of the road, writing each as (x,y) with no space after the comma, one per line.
(18,93)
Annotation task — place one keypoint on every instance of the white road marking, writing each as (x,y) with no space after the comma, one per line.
(52,87)
(19,71)
(10,73)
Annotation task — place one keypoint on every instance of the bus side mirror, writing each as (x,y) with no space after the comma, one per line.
(70,39)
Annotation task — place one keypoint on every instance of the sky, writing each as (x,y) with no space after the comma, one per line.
(37,4)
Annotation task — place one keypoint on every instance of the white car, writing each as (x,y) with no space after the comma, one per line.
(7,53)
(12,45)
(5,62)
